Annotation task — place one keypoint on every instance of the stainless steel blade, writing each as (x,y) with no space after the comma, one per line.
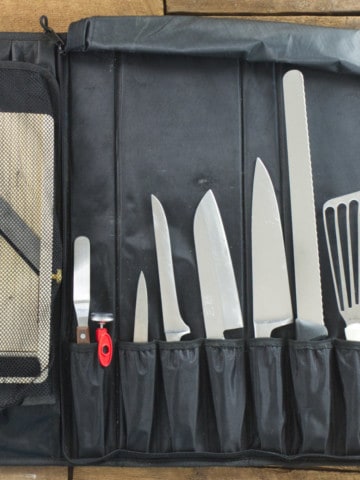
(174,325)
(219,294)
(341,217)
(81,287)
(141,311)
(309,320)
(271,292)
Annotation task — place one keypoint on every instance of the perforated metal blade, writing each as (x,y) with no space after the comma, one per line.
(219,294)
(174,325)
(272,306)
(342,227)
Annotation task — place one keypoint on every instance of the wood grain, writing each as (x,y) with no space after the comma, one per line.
(207,473)
(316,20)
(23,16)
(18,15)
(267,7)
(33,473)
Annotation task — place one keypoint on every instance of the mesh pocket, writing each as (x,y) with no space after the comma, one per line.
(27,155)
(26,212)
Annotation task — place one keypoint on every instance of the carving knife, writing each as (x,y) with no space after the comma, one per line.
(219,294)
(81,287)
(174,325)
(272,306)
(309,318)
(141,311)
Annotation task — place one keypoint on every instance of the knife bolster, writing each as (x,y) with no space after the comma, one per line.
(82,335)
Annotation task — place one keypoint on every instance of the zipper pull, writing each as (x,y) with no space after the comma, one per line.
(51,32)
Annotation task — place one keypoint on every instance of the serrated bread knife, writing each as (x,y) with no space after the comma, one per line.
(141,311)
(174,325)
(81,287)
(309,317)
(272,306)
(219,294)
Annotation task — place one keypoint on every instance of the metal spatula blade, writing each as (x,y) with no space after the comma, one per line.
(342,229)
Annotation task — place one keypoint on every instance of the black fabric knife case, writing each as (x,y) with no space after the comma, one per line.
(174,106)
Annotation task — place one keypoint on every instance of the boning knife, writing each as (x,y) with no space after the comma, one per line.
(272,306)
(174,325)
(219,294)
(141,311)
(309,319)
(81,287)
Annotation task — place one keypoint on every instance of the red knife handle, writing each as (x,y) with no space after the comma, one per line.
(105,347)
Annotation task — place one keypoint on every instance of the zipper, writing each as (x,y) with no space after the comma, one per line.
(44,22)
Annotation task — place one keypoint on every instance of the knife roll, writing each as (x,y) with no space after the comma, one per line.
(30,251)
(204,397)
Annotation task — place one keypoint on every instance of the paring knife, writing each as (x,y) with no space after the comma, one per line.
(81,287)
(309,319)
(219,294)
(141,311)
(272,306)
(174,325)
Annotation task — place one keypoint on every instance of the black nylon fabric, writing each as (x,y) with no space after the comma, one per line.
(325,48)
(348,358)
(267,370)
(138,380)
(312,381)
(227,372)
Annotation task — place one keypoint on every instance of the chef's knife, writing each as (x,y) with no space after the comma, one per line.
(141,311)
(309,318)
(219,294)
(271,292)
(174,325)
(81,287)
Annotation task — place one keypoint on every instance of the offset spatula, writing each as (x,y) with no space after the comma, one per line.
(272,306)
(342,227)
(219,294)
(81,288)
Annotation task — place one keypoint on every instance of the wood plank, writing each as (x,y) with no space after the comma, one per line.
(268,7)
(21,16)
(38,473)
(211,473)
(316,20)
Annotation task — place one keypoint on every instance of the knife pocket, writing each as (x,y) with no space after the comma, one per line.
(180,369)
(311,370)
(347,356)
(268,368)
(137,392)
(226,363)
(93,416)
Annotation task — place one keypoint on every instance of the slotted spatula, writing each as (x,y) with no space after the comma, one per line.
(342,229)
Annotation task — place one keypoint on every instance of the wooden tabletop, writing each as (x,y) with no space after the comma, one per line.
(20,15)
